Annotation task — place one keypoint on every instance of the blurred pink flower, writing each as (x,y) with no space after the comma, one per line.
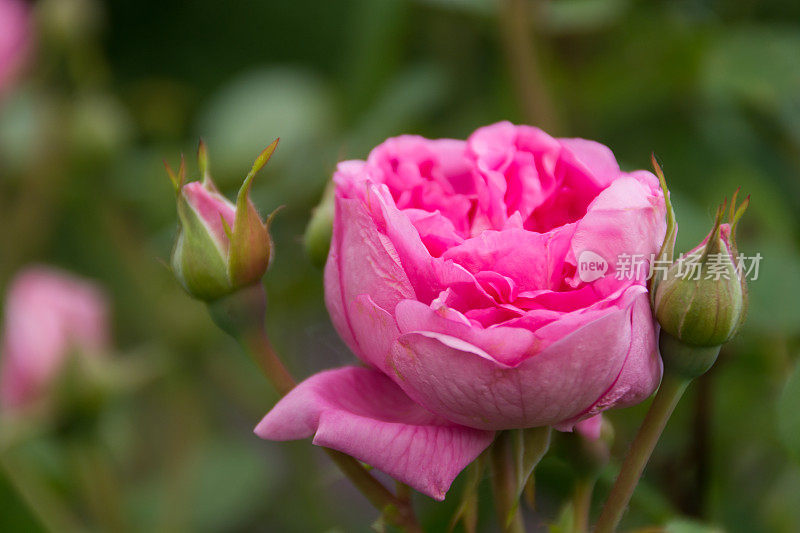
(455,274)
(48,314)
(15,39)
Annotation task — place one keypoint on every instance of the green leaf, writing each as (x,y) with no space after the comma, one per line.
(259,163)
(514,455)
(789,415)
(530,445)
(467,512)
(179,178)
(202,161)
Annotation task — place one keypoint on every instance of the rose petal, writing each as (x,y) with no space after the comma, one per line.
(518,254)
(595,159)
(507,346)
(626,219)
(463,383)
(428,275)
(362,413)
(362,261)
(643,367)
(211,207)
(375,329)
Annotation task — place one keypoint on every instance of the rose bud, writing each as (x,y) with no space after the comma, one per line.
(49,315)
(317,239)
(221,247)
(702,300)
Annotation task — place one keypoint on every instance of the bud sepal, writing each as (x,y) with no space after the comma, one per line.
(683,360)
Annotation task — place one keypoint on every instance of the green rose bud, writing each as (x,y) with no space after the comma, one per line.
(702,299)
(317,238)
(221,247)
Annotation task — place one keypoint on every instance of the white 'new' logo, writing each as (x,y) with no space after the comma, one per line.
(591,266)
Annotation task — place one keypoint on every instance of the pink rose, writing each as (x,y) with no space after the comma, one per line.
(454,274)
(15,39)
(48,315)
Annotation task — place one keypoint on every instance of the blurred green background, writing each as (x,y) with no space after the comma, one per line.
(712,87)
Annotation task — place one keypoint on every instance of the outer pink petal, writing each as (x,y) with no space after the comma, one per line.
(463,383)
(643,367)
(626,218)
(362,261)
(333,295)
(375,329)
(362,413)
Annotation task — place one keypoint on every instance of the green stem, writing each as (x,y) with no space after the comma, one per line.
(582,504)
(669,393)
(398,510)
(506,500)
(260,349)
